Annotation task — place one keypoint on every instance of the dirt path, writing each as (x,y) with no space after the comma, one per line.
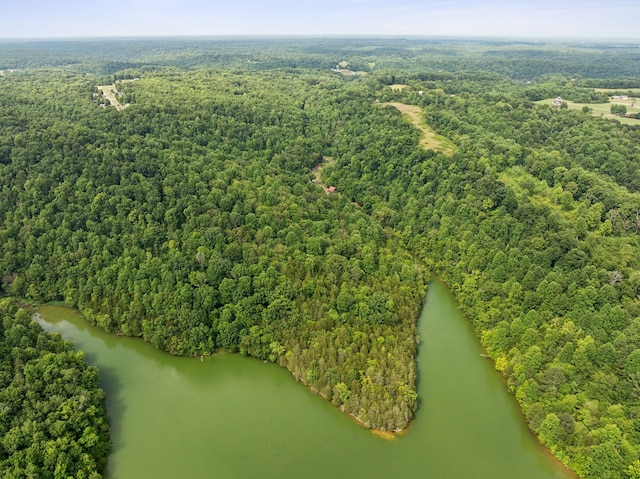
(430,139)
(317,171)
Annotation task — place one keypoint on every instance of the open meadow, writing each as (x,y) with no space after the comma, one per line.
(604,109)
(429,140)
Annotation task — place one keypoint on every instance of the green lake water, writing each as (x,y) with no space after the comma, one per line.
(235,417)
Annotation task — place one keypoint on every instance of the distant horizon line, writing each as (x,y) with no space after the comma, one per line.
(334,36)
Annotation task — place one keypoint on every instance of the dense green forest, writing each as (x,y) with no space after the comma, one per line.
(52,413)
(191,218)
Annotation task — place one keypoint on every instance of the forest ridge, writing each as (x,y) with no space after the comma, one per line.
(190,218)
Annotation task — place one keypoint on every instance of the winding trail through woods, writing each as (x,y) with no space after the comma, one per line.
(317,171)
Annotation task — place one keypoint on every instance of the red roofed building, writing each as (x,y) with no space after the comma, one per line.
(331,189)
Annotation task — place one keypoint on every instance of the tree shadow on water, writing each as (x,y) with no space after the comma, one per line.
(116,406)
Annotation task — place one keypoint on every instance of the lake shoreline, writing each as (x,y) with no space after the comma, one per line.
(277,419)
(503,380)
(32,307)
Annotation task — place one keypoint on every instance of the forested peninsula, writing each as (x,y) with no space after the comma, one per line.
(52,412)
(192,217)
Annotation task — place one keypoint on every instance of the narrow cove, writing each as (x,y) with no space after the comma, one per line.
(234,417)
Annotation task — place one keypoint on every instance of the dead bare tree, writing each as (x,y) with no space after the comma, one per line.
(614,277)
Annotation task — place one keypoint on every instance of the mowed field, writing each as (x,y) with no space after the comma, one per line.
(109,92)
(604,109)
(430,139)
(624,91)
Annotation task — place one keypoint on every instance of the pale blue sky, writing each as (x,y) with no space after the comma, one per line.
(494,18)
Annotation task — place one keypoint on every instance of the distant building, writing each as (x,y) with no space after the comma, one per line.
(331,189)
(557,102)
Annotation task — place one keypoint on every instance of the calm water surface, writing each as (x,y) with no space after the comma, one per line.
(234,417)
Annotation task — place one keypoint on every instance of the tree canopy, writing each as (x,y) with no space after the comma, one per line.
(192,218)
(52,413)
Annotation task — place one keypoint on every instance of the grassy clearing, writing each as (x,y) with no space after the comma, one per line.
(349,73)
(430,140)
(110,92)
(541,194)
(398,87)
(634,91)
(602,245)
(604,109)
(538,191)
